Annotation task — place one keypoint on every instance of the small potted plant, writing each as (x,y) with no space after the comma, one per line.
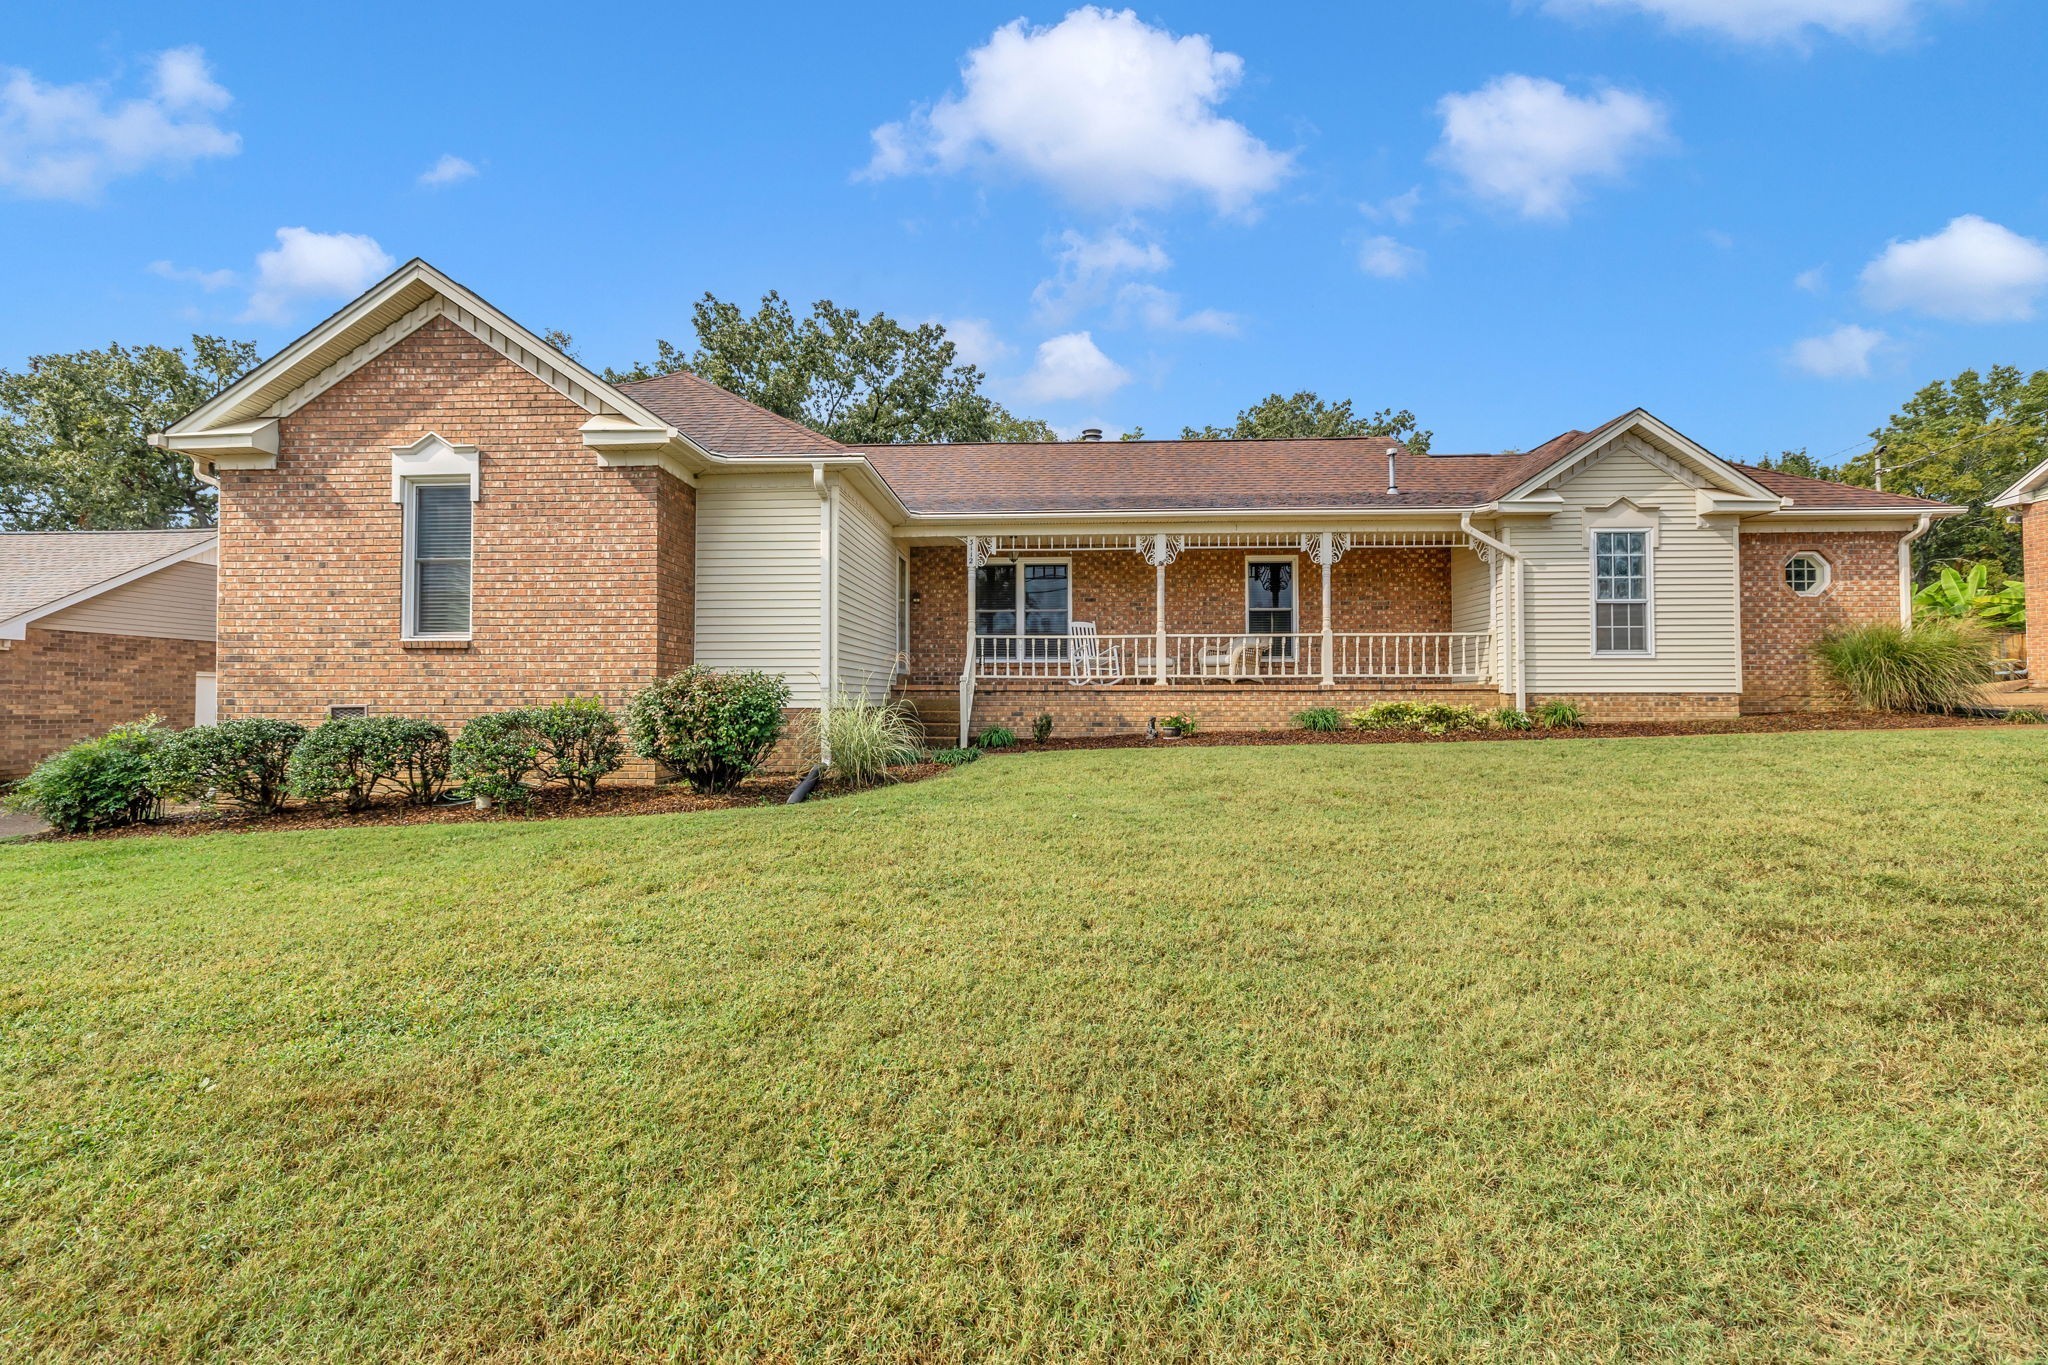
(1176,725)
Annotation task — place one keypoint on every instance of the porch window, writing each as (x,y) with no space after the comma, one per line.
(1621,592)
(437,535)
(1039,630)
(1269,602)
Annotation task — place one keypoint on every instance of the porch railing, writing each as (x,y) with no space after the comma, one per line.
(1460,656)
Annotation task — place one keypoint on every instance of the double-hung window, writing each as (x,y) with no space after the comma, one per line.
(437,553)
(1621,592)
(1269,602)
(1022,609)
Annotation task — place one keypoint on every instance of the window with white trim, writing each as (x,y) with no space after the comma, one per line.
(437,558)
(1269,602)
(1039,629)
(1807,574)
(1621,592)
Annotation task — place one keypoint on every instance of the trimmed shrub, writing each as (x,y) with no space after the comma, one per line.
(1508,718)
(995,737)
(1559,714)
(350,757)
(710,729)
(954,758)
(1938,665)
(1426,717)
(495,755)
(97,783)
(579,743)
(242,762)
(866,737)
(1322,719)
(1041,729)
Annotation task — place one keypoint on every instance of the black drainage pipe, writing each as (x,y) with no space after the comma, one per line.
(807,786)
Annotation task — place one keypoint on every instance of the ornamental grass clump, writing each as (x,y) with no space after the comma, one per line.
(1559,714)
(1321,719)
(995,737)
(710,729)
(1937,665)
(866,738)
(1509,718)
(244,763)
(97,783)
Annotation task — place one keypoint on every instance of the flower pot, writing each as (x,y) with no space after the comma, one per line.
(1169,732)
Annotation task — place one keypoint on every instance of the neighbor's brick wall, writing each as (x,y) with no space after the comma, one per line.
(60,686)
(1779,627)
(2034,547)
(582,575)
(1372,590)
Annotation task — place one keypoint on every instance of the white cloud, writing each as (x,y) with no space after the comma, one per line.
(1973,270)
(309,265)
(1086,267)
(449,169)
(1841,354)
(1149,306)
(1527,143)
(209,280)
(1105,109)
(1814,281)
(1071,366)
(975,342)
(1399,210)
(71,141)
(1387,259)
(1766,21)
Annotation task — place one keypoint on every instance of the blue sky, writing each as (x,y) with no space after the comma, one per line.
(1768,221)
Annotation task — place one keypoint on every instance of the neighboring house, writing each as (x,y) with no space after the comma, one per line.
(98,628)
(426,509)
(2027,500)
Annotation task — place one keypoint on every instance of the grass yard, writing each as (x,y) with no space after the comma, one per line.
(1710,1048)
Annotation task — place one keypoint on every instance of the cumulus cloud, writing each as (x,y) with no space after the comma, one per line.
(976,342)
(307,265)
(1529,144)
(72,141)
(1086,266)
(1105,109)
(1973,270)
(1159,310)
(209,280)
(1386,259)
(1765,21)
(1841,354)
(1069,367)
(447,171)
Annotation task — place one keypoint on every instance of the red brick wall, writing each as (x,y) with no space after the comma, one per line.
(2034,541)
(1373,590)
(582,575)
(1779,627)
(60,686)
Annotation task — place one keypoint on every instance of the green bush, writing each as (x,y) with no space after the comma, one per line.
(1937,665)
(995,737)
(711,729)
(495,755)
(2027,715)
(1508,718)
(579,743)
(241,762)
(350,757)
(954,758)
(1041,729)
(1559,714)
(865,737)
(1319,718)
(1426,717)
(97,783)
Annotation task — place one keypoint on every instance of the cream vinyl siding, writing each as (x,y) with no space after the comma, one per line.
(1695,607)
(865,612)
(1471,593)
(759,577)
(174,603)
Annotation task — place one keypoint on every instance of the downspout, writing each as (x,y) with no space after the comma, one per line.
(828,592)
(1502,549)
(1906,569)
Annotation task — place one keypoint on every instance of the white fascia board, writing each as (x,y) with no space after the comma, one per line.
(1710,502)
(16,627)
(248,445)
(2032,487)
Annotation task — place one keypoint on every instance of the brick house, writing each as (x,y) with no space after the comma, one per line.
(427,509)
(2027,502)
(98,628)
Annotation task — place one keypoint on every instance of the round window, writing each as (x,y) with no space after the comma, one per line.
(1806,574)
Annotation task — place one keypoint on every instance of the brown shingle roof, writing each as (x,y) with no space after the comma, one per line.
(724,423)
(41,567)
(1821,495)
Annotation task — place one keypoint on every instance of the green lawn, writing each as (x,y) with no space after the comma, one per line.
(1715,1048)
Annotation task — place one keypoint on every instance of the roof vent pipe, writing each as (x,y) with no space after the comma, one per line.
(1391,490)
(1091,433)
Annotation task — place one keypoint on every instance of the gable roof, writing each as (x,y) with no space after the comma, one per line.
(45,571)
(725,423)
(2027,488)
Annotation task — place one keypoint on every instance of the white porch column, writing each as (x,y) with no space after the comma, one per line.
(1324,551)
(978,551)
(1159,551)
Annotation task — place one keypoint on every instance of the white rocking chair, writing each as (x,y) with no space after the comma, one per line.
(1089,660)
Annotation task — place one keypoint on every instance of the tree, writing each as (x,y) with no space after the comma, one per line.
(1305,415)
(1963,441)
(856,379)
(1802,464)
(74,436)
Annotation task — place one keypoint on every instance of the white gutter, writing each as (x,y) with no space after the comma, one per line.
(1508,552)
(1906,568)
(828,593)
